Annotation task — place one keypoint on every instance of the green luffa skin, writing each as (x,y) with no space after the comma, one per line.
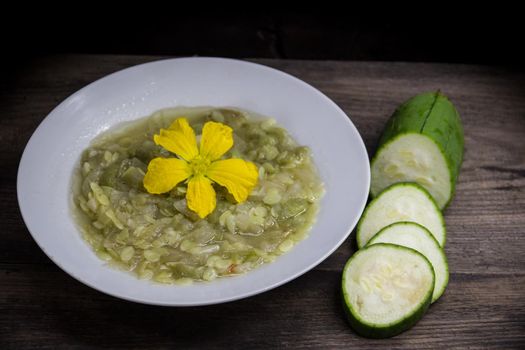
(430,114)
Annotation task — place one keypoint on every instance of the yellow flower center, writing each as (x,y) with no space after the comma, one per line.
(199,165)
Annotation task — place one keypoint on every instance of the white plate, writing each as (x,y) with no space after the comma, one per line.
(312,118)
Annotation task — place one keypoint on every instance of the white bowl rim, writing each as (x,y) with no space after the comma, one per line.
(48,118)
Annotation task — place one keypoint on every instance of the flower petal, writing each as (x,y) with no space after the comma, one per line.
(237,175)
(201,195)
(216,140)
(179,138)
(165,173)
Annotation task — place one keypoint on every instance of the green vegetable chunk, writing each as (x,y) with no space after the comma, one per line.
(386,289)
(415,236)
(422,142)
(401,202)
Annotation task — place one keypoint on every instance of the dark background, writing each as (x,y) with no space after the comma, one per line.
(437,33)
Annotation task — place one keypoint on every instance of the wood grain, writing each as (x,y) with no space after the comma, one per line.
(483,306)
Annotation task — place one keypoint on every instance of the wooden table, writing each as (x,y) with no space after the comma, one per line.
(483,306)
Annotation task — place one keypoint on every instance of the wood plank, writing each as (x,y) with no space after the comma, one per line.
(305,313)
(483,306)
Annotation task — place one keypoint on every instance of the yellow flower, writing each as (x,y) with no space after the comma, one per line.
(200,165)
